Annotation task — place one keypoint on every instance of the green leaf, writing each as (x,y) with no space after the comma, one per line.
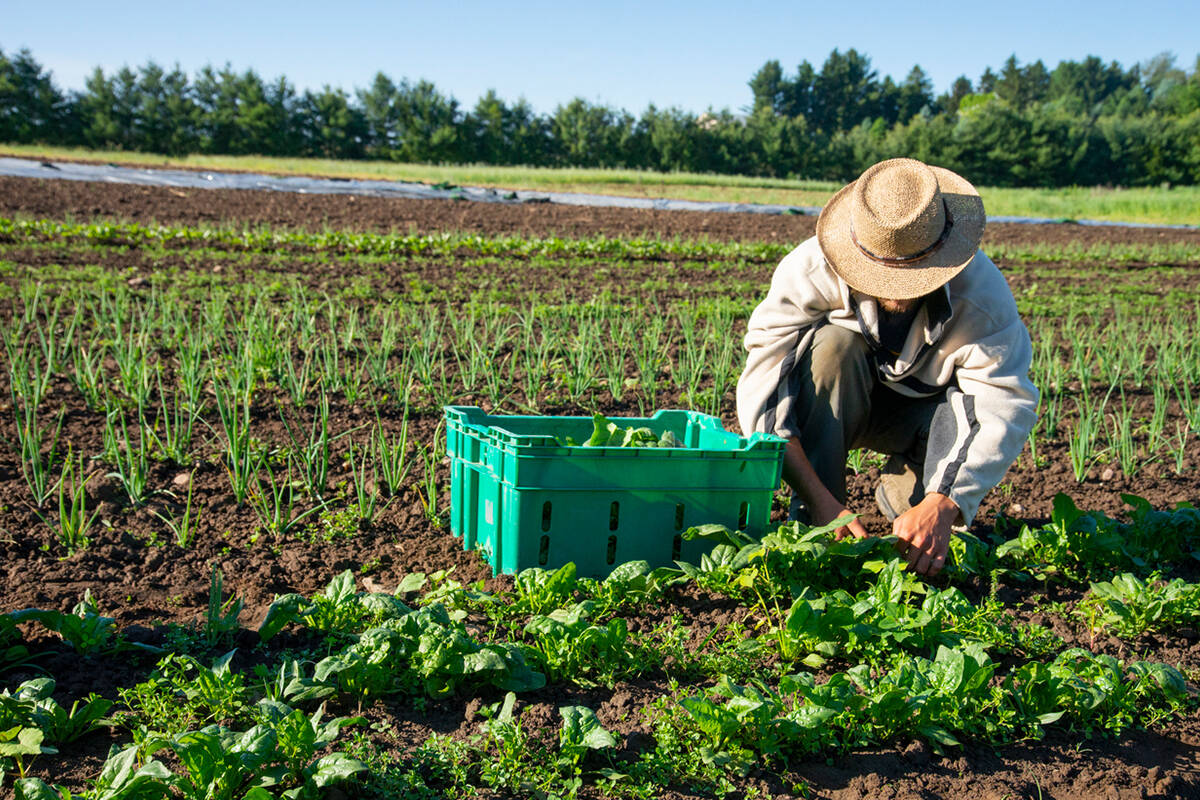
(28,742)
(36,789)
(582,728)
(336,767)
(386,606)
(284,610)
(411,583)
(1065,511)
(628,572)
(939,735)
(486,660)
(341,588)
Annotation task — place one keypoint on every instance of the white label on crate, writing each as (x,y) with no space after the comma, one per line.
(488,515)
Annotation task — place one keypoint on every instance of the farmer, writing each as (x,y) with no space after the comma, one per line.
(890,330)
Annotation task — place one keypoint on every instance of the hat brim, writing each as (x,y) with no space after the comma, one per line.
(912,280)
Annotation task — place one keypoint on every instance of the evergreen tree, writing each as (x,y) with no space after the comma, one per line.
(767,86)
(330,127)
(32,109)
(948,103)
(503,134)
(843,91)
(164,113)
(587,135)
(1020,86)
(916,93)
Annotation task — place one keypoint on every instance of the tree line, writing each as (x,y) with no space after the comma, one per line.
(1081,123)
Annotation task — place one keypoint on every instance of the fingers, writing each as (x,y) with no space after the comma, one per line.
(924,553)
(926,559)
(858,529)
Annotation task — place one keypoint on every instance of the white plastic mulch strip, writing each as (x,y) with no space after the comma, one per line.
(187,179)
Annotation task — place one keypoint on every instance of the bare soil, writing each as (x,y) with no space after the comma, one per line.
(145,581)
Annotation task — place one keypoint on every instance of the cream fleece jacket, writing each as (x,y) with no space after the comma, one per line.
(971,344)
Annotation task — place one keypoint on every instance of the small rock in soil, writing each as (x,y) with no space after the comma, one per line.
(181,479)
(1107,474)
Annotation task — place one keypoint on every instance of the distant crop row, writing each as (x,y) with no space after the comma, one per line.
(599,246)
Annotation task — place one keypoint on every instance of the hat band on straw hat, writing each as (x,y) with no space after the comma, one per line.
(900,261)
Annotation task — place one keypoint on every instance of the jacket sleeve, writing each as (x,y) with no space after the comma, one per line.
(803,289)
(991,409)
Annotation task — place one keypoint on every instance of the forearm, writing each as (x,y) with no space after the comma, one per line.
(799,474)
(822,506)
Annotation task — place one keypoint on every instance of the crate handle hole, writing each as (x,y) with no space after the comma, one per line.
(679,517)
(676,547)
(546,516)
(612,549)
(614,515)
(544,551)
(743,515)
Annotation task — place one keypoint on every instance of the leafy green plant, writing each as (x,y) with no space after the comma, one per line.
(21,745)
(123,777)
(13,652)
(32,705)
(1077,544)
(339,610)
(84,628)
(539,591)
(565,645)
(424,651)
(581,734)
(1129,606)
(630,586)
(607,433)
(181,693)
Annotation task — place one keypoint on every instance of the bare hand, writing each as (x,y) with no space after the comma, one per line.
(830,510)
(924,533)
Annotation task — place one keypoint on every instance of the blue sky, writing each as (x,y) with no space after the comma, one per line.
(627,54)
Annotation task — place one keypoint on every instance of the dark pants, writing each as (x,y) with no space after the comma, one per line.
(842,405)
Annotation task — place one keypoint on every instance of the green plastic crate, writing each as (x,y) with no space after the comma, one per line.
(526,500)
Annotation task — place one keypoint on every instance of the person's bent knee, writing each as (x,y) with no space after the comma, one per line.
(839,356)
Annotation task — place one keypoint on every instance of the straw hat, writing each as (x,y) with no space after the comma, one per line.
(902,229)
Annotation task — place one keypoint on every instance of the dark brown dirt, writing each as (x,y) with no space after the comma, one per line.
(84,201)
(140,577)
